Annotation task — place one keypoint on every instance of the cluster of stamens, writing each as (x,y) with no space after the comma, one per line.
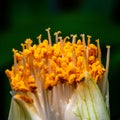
(63,62)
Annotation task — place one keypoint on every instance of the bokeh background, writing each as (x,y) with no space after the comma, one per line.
(28,18)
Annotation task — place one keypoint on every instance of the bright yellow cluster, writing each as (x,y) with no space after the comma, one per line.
(63,62)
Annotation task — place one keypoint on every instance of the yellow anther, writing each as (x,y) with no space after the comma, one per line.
(99,50)
(18,56)
(73,38)
(23,46)
(108,46)
(26,52)
(8,73)
(88,41)
(58,32)
(49,37)
(83,39)
(39,38)
(107,59)
(79,42)
(48,29)
(28,43)
(15,61)
(71,78)
(56,35)
(14,51)
(67,37)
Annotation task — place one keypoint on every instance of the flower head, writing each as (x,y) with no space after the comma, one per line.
(63,81)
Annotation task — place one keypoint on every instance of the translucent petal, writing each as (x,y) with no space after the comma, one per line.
(20,110)
(103,85)
(87,103)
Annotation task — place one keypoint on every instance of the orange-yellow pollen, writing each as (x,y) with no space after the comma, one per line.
(24,98)
(62,62)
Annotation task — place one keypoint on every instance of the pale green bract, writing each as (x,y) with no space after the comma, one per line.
(21,110)
(87,103)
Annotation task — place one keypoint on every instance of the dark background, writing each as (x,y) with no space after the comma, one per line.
(28,18)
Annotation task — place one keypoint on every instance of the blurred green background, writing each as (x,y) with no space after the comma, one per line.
(28,18)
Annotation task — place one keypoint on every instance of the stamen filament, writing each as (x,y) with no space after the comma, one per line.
(23,46)
(85,53)
(73,38)
(28,43)
(107,60)
(99,50)
(83,39)
(15,61)
(67,37)
(49,36)
(88,41)
(39,38)
(56,36)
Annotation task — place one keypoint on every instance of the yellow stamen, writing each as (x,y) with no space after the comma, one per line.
(39,38)
(83,39)
(56,36)
(85,52)
(64,62)
(67,37)
(15,61)
(99,50)
(88,41)
(73,38)
(23,46)
(49,36)
(108,59)
(28,43)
